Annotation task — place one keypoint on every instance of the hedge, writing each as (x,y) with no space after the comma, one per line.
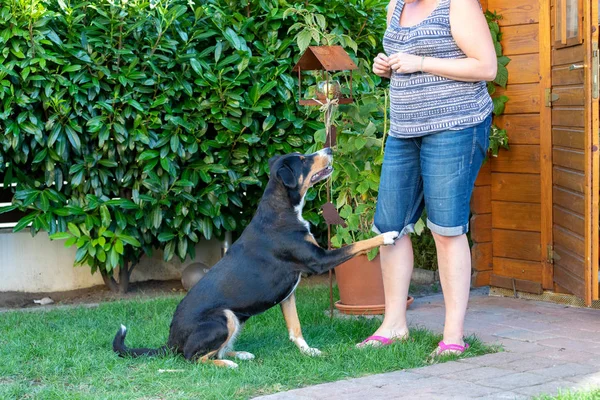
(131,125)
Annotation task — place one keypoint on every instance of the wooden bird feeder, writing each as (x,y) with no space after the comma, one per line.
(327,59)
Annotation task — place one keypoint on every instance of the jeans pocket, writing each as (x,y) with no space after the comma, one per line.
(483,135)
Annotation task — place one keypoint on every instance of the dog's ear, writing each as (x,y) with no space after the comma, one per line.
(287,177)
(272,161)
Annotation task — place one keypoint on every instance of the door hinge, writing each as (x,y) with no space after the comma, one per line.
(549,97)
(550,254)
(595,68)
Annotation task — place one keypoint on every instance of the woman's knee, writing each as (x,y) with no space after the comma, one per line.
(443,242)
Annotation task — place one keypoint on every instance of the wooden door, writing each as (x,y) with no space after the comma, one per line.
(573,148)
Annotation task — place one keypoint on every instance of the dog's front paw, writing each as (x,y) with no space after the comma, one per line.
(244,355)
(390,237)
(311,351)
(225,363)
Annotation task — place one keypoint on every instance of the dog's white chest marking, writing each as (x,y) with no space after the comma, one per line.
(293,289)
(298,210)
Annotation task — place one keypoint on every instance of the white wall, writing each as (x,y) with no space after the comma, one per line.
(37,264)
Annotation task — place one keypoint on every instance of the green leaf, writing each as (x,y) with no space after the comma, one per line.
(148,155)
(304,38)
(269,122)
(499,103)
(233,38)
(61,236)
(501,76)
(218,50)
(101,255)
(74,230)
(231,125)
(6,209)
(130,240)
(105,216)
(165,236)
(360,142)
(160,101)
(40,156)
(119,246)
(73,138)
(182,247)
(243,64)
(114,257)
(254,94)
(156,217)
(23,222)
(196,66)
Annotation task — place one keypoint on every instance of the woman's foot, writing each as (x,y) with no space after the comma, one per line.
(384,337)
(446,349)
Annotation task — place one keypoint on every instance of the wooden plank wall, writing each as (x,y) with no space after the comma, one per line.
(506,231)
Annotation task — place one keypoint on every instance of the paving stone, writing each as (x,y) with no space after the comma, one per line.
(285,396)
(371,394)
(477,374)
(568,356)
(570,344)
(566,370)
(516,380)
(443,368)
(524,335)
(390,378)
(518,346)
(549,388)
(591,381)
(531,363)
(536,361)
(531,325)
(574,332)
(495,359)
(505,396)
(322,391)
(466,390)
(436,387)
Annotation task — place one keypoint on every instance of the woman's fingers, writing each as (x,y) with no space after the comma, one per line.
(382,59)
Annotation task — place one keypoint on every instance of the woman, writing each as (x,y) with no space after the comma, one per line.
(439,55)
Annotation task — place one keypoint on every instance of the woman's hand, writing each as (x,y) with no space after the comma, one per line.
(381,66)
(405,63)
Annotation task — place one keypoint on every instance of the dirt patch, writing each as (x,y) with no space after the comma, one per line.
(95,294)
(98,294)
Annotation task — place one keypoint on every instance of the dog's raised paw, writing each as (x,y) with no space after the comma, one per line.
(390,237)
(311,351)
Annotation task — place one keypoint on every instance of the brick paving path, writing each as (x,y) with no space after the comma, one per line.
(548,347)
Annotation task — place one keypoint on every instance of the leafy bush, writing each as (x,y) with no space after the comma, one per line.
(130,125)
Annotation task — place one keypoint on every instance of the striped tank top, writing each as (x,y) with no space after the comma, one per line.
(422,103)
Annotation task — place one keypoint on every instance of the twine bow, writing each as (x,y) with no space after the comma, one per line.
(326,108)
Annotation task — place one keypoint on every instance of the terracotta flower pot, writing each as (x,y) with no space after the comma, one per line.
(361,287)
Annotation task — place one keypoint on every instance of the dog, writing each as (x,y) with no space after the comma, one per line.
(260,270)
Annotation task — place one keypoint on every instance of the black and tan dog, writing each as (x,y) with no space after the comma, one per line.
(260,270)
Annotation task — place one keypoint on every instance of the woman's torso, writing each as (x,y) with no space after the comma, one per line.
(423,103)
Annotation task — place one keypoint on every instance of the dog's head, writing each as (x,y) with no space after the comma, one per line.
(297,172)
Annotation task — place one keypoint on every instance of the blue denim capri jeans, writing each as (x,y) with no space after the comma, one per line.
(436,171)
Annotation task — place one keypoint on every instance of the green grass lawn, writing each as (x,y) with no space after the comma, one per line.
(66,354)
(571,395)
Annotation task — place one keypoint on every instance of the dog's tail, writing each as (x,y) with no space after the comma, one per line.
(122,350)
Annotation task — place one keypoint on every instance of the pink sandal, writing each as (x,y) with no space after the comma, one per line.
(383,340)
(443,347)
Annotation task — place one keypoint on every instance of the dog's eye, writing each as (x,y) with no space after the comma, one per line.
(303,159)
